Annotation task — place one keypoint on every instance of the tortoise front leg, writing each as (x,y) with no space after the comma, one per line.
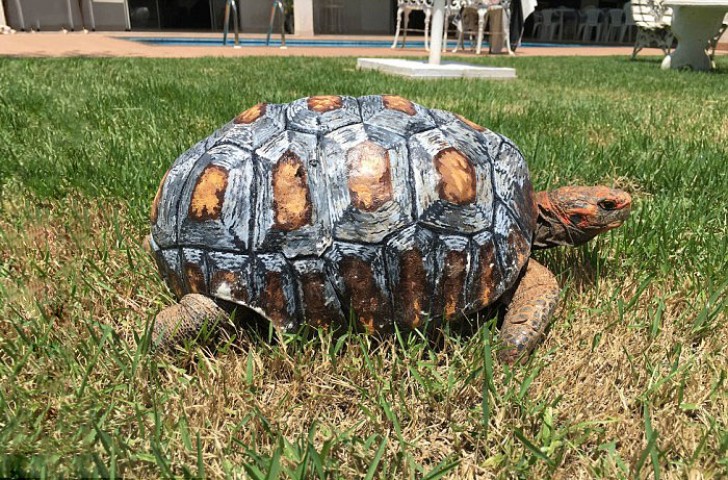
(185,320)
(528,312)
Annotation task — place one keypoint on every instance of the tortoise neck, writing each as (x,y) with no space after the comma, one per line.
(551,228)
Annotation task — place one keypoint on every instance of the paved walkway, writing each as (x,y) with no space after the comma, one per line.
(113,44)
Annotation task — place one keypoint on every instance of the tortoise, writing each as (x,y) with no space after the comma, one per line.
(375,208)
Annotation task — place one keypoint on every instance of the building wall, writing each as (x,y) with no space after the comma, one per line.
(354,16)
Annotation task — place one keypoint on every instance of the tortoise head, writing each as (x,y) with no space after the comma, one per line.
(575,215)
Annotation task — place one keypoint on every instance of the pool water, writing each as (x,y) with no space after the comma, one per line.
(260,42)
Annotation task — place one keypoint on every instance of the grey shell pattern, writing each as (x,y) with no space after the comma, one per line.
(333,206)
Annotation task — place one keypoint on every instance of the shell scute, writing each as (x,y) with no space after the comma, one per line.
(360,280)
(255,126)
(274,288)
(396,114)
(411,273)
(230,276)
(452,256)
(367,173)
(292,207)
(319,302)
(322,114)
(214,208)
(453,186)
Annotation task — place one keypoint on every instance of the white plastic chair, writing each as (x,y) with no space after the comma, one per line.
(568,21)
(551,23)
(629,26)
(615,30)
(591,23)
(404,8)
(537,23)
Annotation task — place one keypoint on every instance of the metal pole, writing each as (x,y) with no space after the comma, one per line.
(438,23)
(225,23)
(231,5)
(277,5)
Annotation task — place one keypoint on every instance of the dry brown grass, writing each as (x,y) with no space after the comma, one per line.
(630,382)
(71,269)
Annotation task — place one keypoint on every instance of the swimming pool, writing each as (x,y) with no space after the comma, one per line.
(275,42)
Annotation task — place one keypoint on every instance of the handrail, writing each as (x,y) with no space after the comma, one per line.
(228,5)
(277,4)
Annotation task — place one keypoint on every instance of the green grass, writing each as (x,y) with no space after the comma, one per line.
(630,382)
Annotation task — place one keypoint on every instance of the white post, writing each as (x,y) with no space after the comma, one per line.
(438,23)
(303,17)
(3,23)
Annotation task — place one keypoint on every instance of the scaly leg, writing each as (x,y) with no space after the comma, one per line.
(185,320)
(528,312)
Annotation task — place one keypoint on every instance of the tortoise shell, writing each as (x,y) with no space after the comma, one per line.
(329,206)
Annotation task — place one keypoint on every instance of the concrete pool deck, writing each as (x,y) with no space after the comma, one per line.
(114,44)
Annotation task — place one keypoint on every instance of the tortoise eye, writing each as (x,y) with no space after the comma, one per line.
(608,204)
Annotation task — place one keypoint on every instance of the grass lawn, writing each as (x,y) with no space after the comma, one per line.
(630,382)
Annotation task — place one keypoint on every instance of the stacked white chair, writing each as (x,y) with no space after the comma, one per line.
(615,31)
(537,23)
(629,26)
(551,24)
(591,24)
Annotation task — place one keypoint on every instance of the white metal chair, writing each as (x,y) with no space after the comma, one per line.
(653,21)
(471,22)
(474,16)
(713,42)
(404,8)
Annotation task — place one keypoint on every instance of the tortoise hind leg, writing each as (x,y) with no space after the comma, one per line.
(528,312)
(186,320)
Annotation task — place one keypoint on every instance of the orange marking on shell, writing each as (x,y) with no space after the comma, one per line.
(291,196)
(324,103)
(454,275)
(175,284)
(208,195)
(274,299)
(395,102)
(318,311)
(471,124)
(229,281)
(488,276)
(195,278)
(155,204)
(370,182)
(367,299)
(457,177)
(252,114)
(519,246)
(410,289)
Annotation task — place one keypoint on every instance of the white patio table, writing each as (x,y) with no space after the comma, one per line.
(694,22)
